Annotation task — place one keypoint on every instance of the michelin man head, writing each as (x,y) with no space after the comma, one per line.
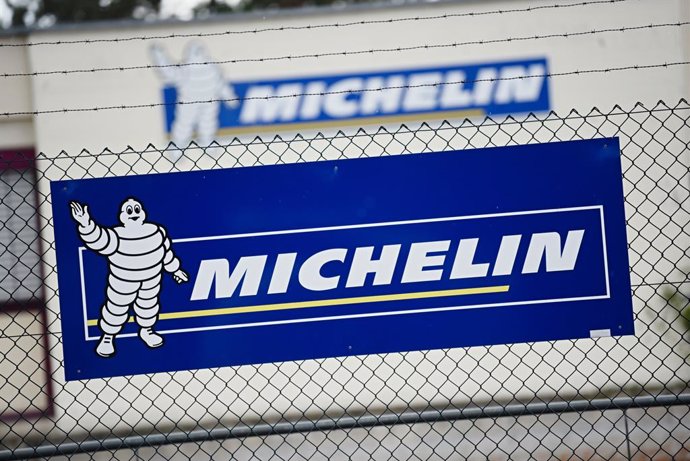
(132,213)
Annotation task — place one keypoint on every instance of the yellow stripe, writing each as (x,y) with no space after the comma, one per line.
(364,121)
(326,303)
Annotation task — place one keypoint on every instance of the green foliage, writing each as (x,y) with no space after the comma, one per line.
(93,10)
(672,319)
(64,11)
(251,5)
(680,303)
(74,11)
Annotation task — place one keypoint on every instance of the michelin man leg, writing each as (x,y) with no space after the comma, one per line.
(120,296)
(207,126)
(183,128)
(146,309)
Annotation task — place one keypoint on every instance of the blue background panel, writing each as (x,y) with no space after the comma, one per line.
(229,117)
(503,182)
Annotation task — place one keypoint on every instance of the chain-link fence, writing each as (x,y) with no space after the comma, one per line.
(605,398)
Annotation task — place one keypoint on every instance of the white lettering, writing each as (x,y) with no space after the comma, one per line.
(422,92)
(454,94)
(549,244)
(425,263)
(264,104)
(342,98)
(311,101)
(362,264)
(383,96)
(418,262)
(518,84)
(484,86)
(507,253)
(281,273)
(310,273)
(463,266)
(248,272)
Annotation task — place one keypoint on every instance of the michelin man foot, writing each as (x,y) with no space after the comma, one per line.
(105,347)
(151,338)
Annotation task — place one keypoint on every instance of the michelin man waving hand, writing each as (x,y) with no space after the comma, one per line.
(138,253)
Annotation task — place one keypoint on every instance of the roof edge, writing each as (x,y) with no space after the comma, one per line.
(306,11)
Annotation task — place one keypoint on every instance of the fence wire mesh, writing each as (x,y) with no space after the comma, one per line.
(604,398)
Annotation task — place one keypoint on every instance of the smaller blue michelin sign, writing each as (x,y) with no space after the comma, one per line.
(290,262)
(457,91)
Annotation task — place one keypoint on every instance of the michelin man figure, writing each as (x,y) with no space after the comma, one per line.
(138,252)
(196,79)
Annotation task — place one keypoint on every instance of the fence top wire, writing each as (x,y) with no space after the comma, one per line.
(487,121)
(343,53)
(309,27)
(364,90)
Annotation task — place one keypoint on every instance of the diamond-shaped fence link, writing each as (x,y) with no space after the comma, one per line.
(605,398)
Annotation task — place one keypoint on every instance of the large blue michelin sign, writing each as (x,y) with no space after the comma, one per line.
(248,265)
(322,101)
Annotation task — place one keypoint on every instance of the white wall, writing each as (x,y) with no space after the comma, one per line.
(117,129)
(15,96)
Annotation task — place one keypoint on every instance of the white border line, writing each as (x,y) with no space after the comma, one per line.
(371,314)
(384,224)
(603,244)
(83,292)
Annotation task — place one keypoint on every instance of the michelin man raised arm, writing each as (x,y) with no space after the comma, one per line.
(138,253)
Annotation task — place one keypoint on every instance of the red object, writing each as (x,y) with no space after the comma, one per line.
(24,159)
